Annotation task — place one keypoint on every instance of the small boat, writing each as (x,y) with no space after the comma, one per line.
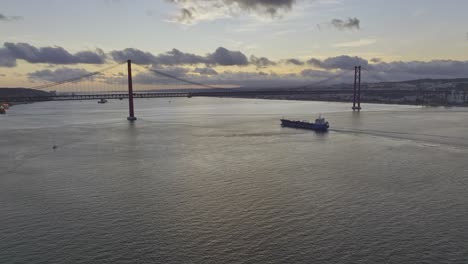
(102,101)
(320,124)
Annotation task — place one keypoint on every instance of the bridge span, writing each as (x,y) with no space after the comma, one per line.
(316,91)
(214,93)
(221,93)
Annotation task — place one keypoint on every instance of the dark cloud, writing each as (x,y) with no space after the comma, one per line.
(52,55)
(421,69)
(392,71)
(221,56)
(261,62)
(91,57)
(271,7)
(58,75)
(314,62)
(9,18)
(294,61)
(225,57)
(172,63)
(343,62)
(6,58)
(185,15)
(205,71)
(137,56)
(350,23)
(191,10)
(334,70)
(176,57)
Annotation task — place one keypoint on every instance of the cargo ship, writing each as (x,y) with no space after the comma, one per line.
(320,124)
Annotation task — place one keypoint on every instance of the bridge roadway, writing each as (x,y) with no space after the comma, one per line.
(223,93)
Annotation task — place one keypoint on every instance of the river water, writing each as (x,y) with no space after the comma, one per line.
(210,180)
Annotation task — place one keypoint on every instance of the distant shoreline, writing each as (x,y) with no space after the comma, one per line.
(362,101)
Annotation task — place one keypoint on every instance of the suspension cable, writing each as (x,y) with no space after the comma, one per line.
(52,84)
(178,78)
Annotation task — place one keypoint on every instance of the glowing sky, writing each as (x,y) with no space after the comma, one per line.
(290,40)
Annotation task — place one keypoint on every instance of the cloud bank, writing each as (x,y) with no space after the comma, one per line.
(343,62)
(10,52)
(214,67)
(58,74)
(221,56)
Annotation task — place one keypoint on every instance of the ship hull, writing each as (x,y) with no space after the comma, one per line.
(304,125)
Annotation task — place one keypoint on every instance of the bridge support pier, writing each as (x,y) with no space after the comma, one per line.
(131,117)
(357,89)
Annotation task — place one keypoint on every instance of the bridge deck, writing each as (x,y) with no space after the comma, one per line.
(215,94)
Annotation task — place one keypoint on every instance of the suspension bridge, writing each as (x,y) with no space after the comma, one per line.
(117,82)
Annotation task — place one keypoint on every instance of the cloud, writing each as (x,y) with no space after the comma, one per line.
(173,57)
(355,44)
(422,69)
(315,73)
(137,56)
(149,77)
(255,79)
(393,71)
(192,11)
(349,24)
(9,18)
(225,57)
(412,70)
(270,7)
(6,58)
(221,56)
(325,72)
(205,71)
(58,75)
(340,69)
(176,57)
(343,62)
(52,55)
(208,76)
(294,62)
(261,62)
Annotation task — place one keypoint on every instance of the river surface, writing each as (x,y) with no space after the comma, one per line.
(210,180)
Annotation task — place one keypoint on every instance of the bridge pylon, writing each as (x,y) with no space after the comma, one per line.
(131,116)
(357,89)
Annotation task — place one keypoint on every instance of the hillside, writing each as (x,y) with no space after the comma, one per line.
(21,92)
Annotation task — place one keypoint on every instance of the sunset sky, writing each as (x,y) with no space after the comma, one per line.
(247,42)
